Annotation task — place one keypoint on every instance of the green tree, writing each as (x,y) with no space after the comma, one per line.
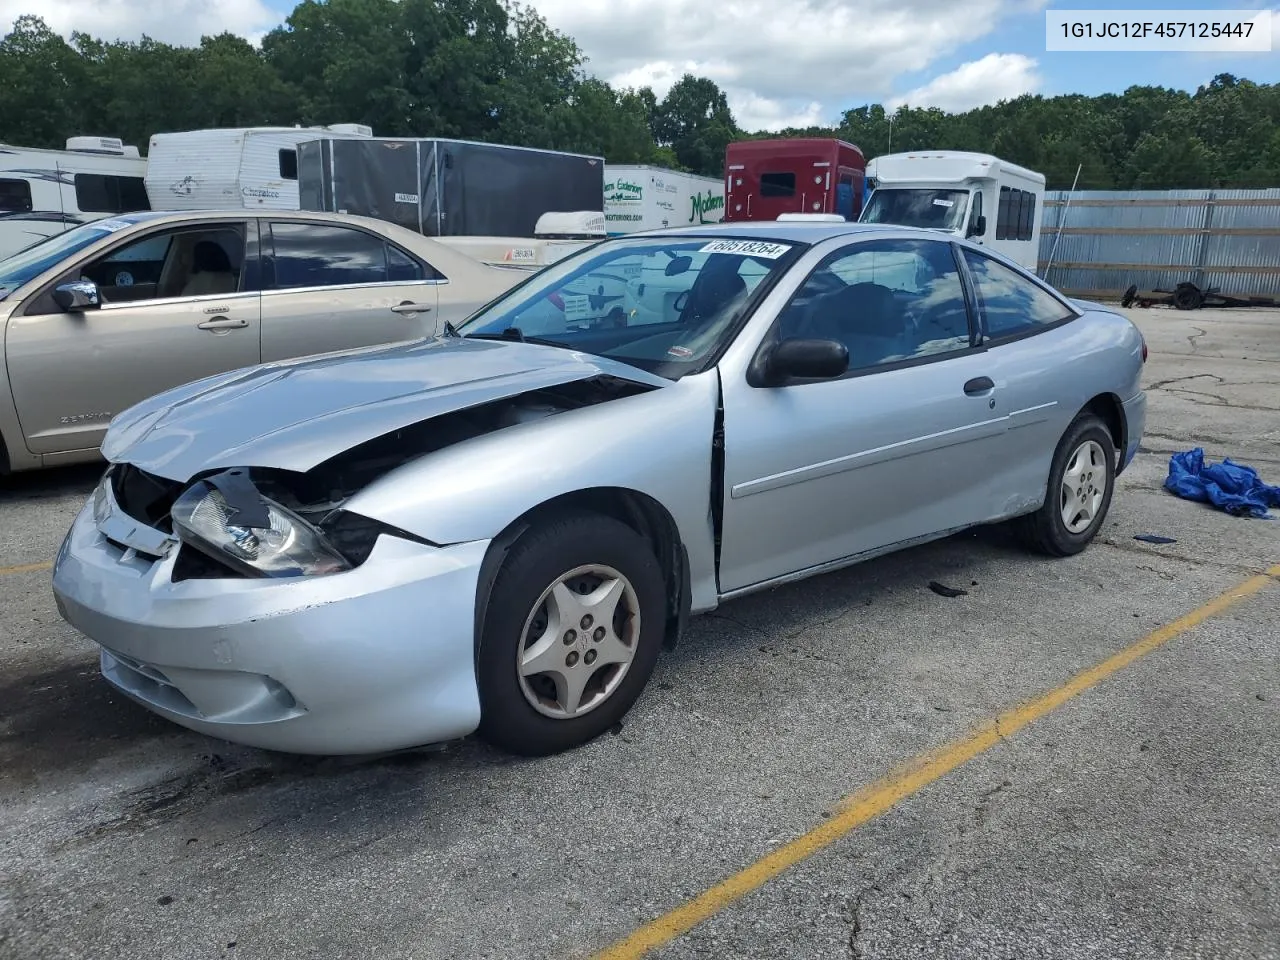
(1159,160)
(42,82)
(694,120)
(495,70)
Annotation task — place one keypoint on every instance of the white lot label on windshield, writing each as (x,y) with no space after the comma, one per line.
(756,248)
(944,203)
(111,226)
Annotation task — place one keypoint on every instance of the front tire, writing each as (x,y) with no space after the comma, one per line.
(1081,483)
(570,635)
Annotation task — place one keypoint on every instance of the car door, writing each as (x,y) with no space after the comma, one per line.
(337,287)
(176,304)
(899,448)
(1041,361)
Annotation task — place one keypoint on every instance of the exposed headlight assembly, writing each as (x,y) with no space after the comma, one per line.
(227,517)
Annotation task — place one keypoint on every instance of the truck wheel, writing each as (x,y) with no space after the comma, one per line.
(570,635)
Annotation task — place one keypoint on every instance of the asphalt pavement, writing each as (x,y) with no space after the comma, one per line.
(1137,819)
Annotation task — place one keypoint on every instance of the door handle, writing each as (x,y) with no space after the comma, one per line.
(408,306)
(978,386)
(225,324)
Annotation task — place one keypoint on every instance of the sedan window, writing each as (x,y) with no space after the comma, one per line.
(887,301)
(170,263)
(319,255)
(1011,304)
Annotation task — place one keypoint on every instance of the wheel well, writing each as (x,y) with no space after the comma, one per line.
(637,510)
(1107,407)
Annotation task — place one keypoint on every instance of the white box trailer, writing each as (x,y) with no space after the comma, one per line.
(233,167)
(640,197)
(975,195)
(44,192)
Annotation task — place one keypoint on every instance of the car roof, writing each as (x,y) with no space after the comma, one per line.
(797,231)
(239,213)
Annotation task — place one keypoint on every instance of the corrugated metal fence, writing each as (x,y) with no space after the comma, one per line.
(1228,239)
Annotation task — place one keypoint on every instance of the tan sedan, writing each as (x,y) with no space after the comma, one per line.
(102,316)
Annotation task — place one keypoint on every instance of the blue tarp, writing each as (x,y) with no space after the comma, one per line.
(1231,487)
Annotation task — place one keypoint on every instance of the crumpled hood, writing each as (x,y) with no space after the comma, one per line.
(296,414)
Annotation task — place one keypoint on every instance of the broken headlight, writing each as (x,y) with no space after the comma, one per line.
(226,517)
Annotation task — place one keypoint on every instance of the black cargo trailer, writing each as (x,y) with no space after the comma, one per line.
(444,188)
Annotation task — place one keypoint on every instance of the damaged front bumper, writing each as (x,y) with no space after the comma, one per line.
(377,658)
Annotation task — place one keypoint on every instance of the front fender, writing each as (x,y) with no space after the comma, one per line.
(657,443)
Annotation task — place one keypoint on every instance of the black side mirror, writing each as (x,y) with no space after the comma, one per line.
(978,227)
(76,296)
(804,360)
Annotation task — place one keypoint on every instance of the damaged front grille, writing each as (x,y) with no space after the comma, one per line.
(144,496)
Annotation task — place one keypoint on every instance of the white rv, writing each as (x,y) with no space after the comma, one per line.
(975,195)
(639,197)
(44,192)
(253,168)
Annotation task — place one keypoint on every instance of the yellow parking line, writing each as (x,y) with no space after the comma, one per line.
(26,568)
(882,795)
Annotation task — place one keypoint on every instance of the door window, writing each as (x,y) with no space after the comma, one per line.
(1009,303)
(15,196)
(169,263)
(887,301)
(317,255)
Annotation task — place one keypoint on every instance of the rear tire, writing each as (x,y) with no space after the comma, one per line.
(570,635)
(1081,484)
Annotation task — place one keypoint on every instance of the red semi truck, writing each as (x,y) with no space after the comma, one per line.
(767,178)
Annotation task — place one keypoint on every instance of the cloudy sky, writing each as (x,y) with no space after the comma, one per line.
(823,57)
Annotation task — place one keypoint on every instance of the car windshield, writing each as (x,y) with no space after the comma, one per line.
(927,209)
(664,304)
(30,262)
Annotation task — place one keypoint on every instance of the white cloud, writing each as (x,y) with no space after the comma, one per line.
(997,76)
(752,111)
(780,65)
(777,63)
(172,21)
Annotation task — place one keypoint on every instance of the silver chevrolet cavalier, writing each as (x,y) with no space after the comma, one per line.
(500,528)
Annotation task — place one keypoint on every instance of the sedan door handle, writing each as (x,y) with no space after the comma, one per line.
(978,386)
(409,306)
(226,324)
